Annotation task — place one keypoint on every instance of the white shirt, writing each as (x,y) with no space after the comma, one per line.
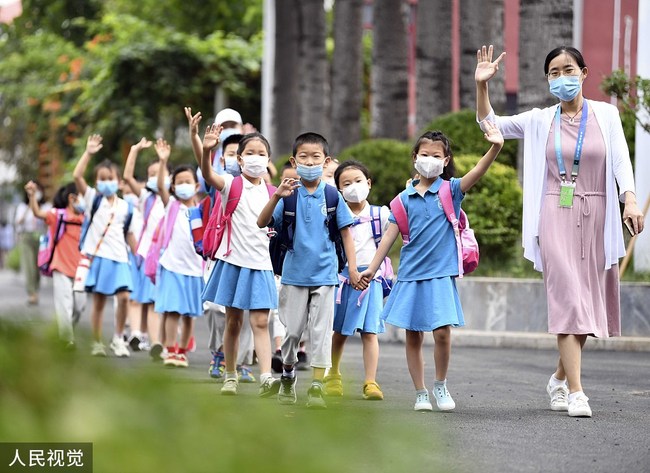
(28,222)
(156,214)
(249,244)
(113,246)
(364,242)
(179,256)
(533,126)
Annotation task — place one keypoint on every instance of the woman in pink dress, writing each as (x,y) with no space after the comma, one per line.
(575,156)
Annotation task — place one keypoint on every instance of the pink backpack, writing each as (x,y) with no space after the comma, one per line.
(468,253)
(161,236)
(220,219)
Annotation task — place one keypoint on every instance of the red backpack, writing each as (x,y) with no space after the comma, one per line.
(220,218)
(468,254)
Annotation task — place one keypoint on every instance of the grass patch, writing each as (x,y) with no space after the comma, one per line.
(143,418)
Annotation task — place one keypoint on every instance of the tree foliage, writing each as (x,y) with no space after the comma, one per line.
(123,69)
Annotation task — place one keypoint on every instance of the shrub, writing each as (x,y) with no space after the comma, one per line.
(389,162)
(467,138)
(494,208)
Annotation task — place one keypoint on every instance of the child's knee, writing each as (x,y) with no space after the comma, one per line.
(442,335)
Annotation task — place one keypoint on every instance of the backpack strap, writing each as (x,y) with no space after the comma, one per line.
(234,194)
(170,220)
(401,217)
(86,225)
(331,203)
(375,223)
(127,220)
(289,219)
(444,194)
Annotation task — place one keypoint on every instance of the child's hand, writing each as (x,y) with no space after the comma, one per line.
(163,150)
(193,121)
(493,134)
(364,280)
(355,277)
(248,128)
(31,188)
(287,186)
(142,144)
(211,137)
(94,144)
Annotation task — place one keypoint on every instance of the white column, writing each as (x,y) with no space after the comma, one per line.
(268,64)
(642,141)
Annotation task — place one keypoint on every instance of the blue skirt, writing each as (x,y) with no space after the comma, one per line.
(423,306)
(178,293)
(144,291)
(108,277)
(353,315)
(243,288)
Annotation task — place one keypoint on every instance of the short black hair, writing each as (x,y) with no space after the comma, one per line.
(179,169)
(107,164)
(351,163)
(573,52)
(232,139)
(60,200)
(250,137)
(310,138)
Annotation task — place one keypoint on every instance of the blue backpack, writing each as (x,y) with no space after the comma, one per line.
(283,241)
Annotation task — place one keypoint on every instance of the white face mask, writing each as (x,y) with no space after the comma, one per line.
(357,192)
(429,166)
(255,165)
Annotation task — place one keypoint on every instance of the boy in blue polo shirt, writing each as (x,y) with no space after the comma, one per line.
(310,270)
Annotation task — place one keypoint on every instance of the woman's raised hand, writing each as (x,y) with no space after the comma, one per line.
(485,67)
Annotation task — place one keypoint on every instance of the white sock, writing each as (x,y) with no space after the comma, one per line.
(231,375)
(424,390)
(574,396)
(288,374)
(440,383)
(554,382)
(264,377)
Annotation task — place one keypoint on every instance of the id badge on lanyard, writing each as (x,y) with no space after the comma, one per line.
(567,188)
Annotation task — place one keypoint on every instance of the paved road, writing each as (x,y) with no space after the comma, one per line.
(501,423)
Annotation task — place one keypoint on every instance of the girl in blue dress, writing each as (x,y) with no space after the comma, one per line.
(424,297)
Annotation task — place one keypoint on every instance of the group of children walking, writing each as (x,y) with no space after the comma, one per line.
(334,275)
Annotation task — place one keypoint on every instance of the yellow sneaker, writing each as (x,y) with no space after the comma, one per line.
(333,385)
(372,392)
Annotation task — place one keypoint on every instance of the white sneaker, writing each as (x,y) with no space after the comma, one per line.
(98,349)
(422,402)
(559,396)
(118,345)
(230,387)
(579,407)
(443,398)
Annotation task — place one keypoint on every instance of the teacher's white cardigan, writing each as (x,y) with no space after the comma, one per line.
(534,127)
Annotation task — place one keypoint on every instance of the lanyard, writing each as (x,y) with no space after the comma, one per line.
(579,143)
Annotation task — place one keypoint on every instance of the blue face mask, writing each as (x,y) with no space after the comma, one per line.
(565,88)
(185,191)
(309,173)
(232,167)
(107,188)
(152,184)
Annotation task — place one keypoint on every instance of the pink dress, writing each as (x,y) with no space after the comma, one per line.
(583,298)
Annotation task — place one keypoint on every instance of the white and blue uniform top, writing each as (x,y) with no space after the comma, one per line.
(179,256)
(249,244)
(364,241)
(155,215)
(313,261)
(113,247)
(431,252)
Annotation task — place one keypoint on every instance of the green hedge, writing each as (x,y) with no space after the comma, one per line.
(467,138)
(389,162)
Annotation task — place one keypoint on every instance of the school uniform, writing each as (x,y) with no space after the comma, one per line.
(243,276)
(179,281)
(359,311)
(310,276)
(425,297)
(68,305)
(144,288)
(110,270)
